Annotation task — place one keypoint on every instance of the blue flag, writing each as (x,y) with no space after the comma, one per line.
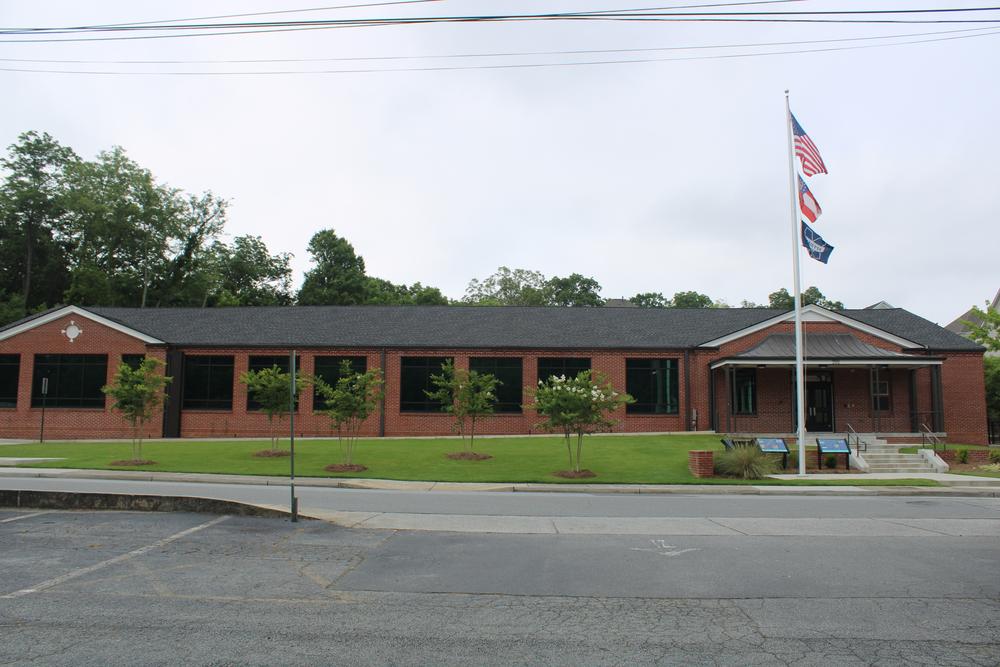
(814,244)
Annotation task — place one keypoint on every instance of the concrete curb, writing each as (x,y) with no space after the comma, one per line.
(72,500)
(970,488)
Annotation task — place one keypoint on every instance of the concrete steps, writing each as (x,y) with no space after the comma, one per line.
(883,457)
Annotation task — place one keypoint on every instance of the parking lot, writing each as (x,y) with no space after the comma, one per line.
(93,587)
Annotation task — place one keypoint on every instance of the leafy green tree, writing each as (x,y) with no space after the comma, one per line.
(574,290)
(985,327)
(508,287)
(349,402)
(136,393)
(338,277)
(785,301)
(248,274)
(991,366)
(467,396)
(577,406)
(272,388)
(650,300)
(32,215)
(691,300)
(382,292)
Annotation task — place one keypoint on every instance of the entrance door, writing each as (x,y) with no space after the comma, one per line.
(819,402)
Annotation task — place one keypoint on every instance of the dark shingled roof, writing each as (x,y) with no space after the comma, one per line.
(821,346)
(482,326)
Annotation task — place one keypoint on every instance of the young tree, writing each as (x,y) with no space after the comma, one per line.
(577,406)
(271,387)
(466,395)
(136,393)
(349,402)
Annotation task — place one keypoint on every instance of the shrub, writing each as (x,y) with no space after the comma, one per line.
(995,456)
(830,461)
(963,456)
(746,462)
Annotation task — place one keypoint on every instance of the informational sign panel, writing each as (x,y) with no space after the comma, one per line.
(831,446)
(772,445)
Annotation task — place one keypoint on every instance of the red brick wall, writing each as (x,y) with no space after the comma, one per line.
(962,379)
(24,420)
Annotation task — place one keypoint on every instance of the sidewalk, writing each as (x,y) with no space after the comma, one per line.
(954,485)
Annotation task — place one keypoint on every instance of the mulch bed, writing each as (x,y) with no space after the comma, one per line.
(271,453)
(575,474)
(133,462)
(468,456)
(345,467)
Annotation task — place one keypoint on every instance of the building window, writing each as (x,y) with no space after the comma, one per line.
(74,380)
(133,361)
(881,401)
(745,391)
(653,385)
(10,370)
(567,366)
(415,380)
(208,382)
(509,371)
(262,362)
(328,370)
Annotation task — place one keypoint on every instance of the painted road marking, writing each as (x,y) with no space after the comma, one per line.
(664,549)
(23,516)
(111,561)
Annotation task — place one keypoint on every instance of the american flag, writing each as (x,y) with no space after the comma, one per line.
(808,204)
(806,151)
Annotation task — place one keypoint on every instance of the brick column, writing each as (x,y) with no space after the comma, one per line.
(701,463)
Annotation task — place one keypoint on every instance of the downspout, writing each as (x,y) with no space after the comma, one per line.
(381,406)
(687,390)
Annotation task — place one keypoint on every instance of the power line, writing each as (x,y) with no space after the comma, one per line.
(500,54)
(626,15)
(505,65)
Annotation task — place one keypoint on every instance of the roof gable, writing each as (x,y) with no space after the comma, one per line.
(814,313)
(35,321)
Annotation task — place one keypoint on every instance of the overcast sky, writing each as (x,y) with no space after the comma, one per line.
(651,177)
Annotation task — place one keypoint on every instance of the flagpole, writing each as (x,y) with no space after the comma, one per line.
(796,235)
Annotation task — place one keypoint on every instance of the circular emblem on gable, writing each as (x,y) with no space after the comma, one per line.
(72,331)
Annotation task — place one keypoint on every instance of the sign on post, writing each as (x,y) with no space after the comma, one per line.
(832,446)
(774,446)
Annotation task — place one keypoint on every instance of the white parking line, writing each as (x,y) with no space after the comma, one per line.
(23,516)
(112,561)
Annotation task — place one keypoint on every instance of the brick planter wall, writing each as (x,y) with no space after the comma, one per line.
(701,463)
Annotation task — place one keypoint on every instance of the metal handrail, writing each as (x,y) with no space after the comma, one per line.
(927,435)
(857,440)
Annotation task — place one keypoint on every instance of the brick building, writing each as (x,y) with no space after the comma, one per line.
(884,371)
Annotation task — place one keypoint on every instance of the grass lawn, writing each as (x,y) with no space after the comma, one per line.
(660,459)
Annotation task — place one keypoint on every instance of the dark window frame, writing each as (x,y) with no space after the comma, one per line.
(133,361)
(744,401)
(75,381)
(212,362)
(359,364)
(10,379)
(505,393)
(878,398)
(555,366)
(665,370)
(420,369)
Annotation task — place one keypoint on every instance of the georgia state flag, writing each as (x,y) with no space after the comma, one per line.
(808,204)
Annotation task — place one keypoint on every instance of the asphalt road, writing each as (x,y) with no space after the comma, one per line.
(129,588)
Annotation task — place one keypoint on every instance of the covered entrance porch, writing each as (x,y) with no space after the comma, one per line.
(850,385)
